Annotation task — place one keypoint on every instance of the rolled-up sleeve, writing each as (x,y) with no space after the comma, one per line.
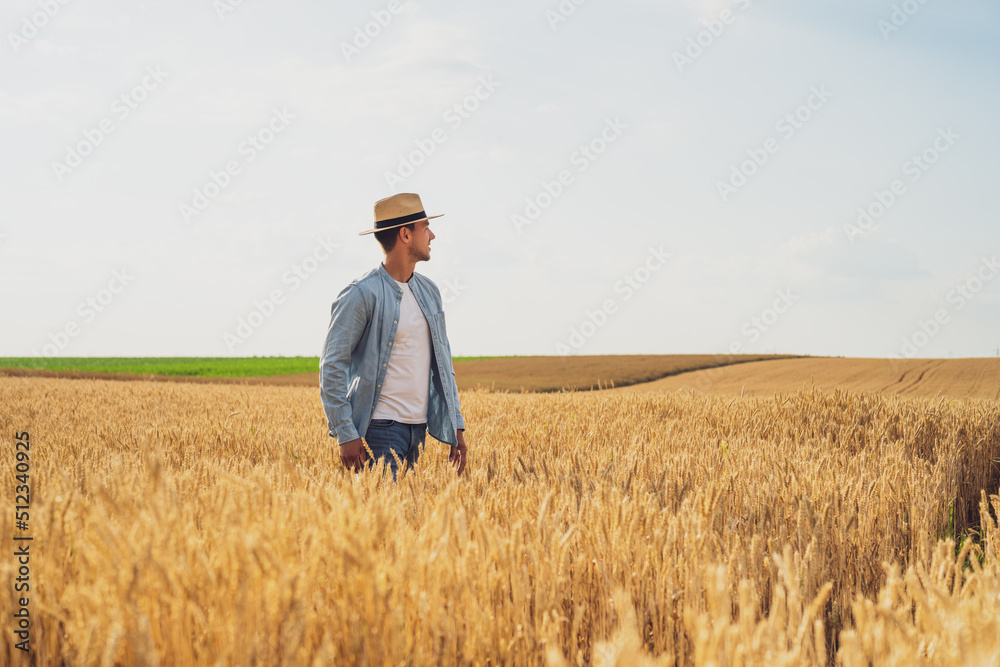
(348,319)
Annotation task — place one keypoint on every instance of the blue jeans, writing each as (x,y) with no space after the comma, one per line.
(385,436)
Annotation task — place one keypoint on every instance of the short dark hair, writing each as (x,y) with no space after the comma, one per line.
(387,237)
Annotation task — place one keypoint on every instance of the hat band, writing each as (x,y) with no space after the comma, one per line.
(401,219)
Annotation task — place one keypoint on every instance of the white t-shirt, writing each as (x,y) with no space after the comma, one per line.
(406,385)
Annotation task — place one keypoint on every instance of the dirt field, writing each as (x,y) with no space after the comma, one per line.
(910,378)
(547,374)
(297,380)
(750,375)
(534,374)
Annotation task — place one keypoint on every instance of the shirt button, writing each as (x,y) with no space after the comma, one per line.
(383,365)
(394,321)
(378,386)
(390,344)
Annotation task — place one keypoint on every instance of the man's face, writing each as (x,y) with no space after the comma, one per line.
(420,241)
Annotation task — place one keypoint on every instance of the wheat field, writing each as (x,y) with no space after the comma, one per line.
(198,524)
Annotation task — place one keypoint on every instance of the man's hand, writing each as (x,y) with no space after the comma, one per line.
(353,455)
(459,453)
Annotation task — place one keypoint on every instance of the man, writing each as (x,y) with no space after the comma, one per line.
(386,370)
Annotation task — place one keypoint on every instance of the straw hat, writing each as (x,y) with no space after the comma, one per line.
(398,210)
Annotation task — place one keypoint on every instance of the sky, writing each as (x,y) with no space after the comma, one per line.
(189,178)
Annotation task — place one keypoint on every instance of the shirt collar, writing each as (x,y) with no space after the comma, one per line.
(389,279)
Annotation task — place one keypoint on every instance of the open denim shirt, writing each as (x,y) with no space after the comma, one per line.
(363,322)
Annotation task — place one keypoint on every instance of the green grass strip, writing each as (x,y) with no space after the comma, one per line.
(186,366)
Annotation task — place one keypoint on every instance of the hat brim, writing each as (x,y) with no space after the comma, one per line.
(402,224)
